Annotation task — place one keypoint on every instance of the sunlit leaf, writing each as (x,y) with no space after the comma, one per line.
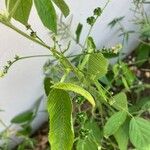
(77,89)
(139,132)
(22,11)
(60,112)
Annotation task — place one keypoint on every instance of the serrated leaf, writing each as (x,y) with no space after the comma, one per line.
(78,32)
(77,89)
(60,111)
(122,136)
(97,66)
(120,101)
(23,117)
(62,6)
(22,11)
(139,132)
(47,14)
(114,123)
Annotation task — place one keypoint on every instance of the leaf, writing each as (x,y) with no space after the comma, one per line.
(143,53)
(97,66)
(23,117)
(47,85)
(78,32)
(128,74)
(61,129)
(139,132)
(122,136)
(77,89)
(92,141)
(145,30)
(47,14)
(62,6)
(114,123)
(120,101)
(22,11)
(86,144)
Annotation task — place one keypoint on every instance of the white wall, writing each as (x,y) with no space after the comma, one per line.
(23,83)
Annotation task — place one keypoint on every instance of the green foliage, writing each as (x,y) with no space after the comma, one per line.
(78,32)
(113,90)
(143,53)
(92,140)
(19,10)
(122,136)
(119,101)
(23,117)
(139,132)
(47,85)
(114,123)
(61,129)
(62,6)
(76,89)
(47,14)
(97,66)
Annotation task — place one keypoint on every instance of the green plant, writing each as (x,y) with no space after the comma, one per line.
(87,98)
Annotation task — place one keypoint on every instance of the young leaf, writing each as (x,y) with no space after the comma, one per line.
(78,32)
(77,89)
(92,140)
(22,11)
(47,14)
(61,130)
(139,132)
(122,136)
(114,123)
(62,6)
(97,66)
(120,101)
(23,117)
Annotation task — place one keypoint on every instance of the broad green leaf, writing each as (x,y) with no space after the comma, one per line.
(92,141)
(22,11)
(47,85)
(119,101)
(78,32)
(122,136)
(114,123)
(47,14)
(62,6)
(97,66)
(77,89)
(139,132)
(60,112)
(23,117)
